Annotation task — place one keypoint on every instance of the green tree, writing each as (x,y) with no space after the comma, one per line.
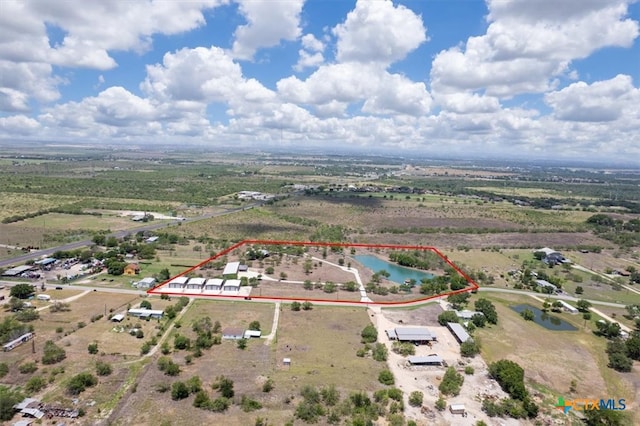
(224,385)
(583,305)
(4,369)
(488,309)
(369,334)
(179,390)
(441,404)
(22,291)
(145,304)
(35,384)
(451,382)
(254,325)
(8,398)
(528,315)
(510,377)
(470,348)
(307,306)
(579,290)
(447,316)
(295,306)
(479,320)
(242,344)
(92,348)
(633,346)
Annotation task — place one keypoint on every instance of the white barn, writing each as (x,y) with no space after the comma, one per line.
(213,284)
(231,285)
(196,283)
(178,282)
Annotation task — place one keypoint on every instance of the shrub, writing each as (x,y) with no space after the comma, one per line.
(268,386)
(386,377)
(451,382)
(470,348)
(103,368)
(219,405)
(4,369)
(80,382)
(179,391)
(35,384)
(441,404)
(415,398)
(468,370)
(380,352)
(27,368)
(247,404)
(92,348)
(369,334)
(52,353)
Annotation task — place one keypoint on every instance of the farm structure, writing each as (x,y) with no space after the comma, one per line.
(145,313)
(195,283)
(213,284)
(457,409)
(17,342)
(148,282)
(227,287)
(568,308)
(417,335)
(232,333)
(18,270)
(458,332)
(547,284)
(426,360)
(230,270)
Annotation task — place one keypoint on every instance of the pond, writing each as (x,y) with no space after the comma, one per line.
(398,274)
(550,322)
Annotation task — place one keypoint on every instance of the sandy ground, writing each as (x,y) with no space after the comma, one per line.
(427,378)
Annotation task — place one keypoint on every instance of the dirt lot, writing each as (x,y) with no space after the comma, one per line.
(426,379)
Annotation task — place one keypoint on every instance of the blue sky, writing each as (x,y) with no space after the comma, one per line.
(462,78)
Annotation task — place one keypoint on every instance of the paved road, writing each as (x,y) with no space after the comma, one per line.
(159,224)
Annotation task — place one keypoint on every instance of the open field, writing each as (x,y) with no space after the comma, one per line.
(552,359)
(336,331)
(60,221)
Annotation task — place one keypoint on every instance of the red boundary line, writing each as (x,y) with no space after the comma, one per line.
(473,285)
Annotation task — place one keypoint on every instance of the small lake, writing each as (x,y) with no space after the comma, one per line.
(550,322)
(398,274)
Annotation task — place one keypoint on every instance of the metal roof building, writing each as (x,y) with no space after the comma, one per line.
(458,331)
(252,333)
(146,313)
(411,334)
(178,282)
(467,315)
(231,285)
(213,284)
(196,283)
(425,360)
(231,268)
(17,270)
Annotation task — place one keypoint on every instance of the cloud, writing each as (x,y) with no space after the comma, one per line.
(18,125)
(598,102)
(523,51)
(204,76)
(268,22)
(348,83)
(378,31)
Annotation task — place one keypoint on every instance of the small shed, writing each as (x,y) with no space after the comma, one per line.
(286,362)
(196,283)
(457,409)
(248,334)
(458,332)
(117,318)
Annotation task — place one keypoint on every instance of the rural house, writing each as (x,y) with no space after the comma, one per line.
(132,269)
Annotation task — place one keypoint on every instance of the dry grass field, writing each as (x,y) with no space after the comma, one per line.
(335,331)
(552,359)
(60,221)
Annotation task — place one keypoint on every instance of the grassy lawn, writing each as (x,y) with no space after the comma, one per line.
(60,221)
